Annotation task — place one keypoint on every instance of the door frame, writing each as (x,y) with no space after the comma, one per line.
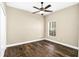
(2,29)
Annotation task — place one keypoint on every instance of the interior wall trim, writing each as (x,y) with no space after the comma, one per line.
(3,52)
(15,44)
(67,45)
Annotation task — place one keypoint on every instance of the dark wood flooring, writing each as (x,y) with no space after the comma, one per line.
(42,48)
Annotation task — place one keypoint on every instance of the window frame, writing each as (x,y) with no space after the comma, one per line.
(51,26)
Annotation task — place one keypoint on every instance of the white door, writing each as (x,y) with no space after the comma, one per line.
(2,30)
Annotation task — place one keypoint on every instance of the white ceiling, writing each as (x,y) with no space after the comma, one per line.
(28,6)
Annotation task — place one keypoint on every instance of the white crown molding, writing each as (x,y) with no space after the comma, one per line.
(28,6)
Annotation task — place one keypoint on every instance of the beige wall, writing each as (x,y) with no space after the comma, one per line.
(23,26)
(66,25)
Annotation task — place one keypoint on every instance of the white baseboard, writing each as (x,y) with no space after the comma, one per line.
(43,39)
(15,44)
(67,45)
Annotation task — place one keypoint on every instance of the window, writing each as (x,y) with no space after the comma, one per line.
(52,28)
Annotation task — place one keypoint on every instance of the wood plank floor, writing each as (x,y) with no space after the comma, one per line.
(42,48)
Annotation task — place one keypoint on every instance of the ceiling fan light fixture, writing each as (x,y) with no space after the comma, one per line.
(42,12)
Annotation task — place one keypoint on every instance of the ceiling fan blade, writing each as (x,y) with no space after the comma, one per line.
(47,6)
(36,12)
(36,7)
(48,10)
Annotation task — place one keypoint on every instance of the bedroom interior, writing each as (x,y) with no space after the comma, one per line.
(39,29)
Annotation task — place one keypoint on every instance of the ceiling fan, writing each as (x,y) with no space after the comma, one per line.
(42,9)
